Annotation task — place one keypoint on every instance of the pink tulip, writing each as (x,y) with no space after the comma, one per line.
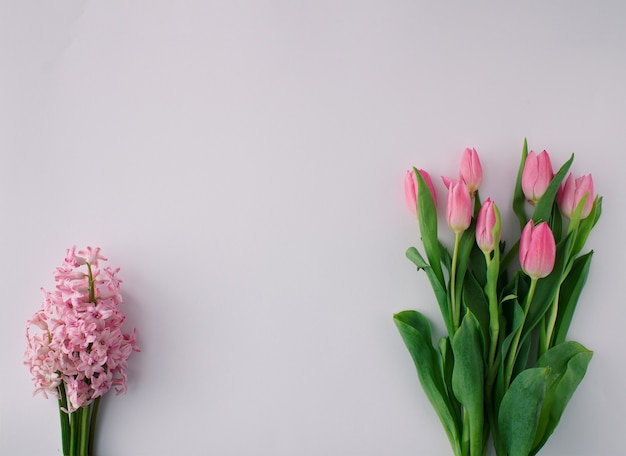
(537,250)
(410,189)
(488,217)
(572,192)
(471,170)
(536,176)
(459,207)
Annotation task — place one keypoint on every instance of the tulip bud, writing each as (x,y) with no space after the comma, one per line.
(537,250)
(459,207)
(572,192)
(488,219)
(471,170)
(410,189)
(536,175)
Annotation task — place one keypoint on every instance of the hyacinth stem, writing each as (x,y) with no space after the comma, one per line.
(92,426)
(74,426)
(65,420)
(84,430)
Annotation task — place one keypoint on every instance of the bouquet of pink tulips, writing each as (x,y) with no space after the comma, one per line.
(505,368)
(80,351)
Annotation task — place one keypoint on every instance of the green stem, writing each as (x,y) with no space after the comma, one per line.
(545,336)
(74,432)
(92,429)
(92,290)
(494,320)
(466,434)
(512,355)
(456,312)
(65,420)
(84,431)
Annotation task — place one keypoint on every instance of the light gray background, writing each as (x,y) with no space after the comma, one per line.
(242,163)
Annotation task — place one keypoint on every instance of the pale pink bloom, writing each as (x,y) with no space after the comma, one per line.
(81,342)
(485,223)
(410,189)
(459,207)
(471,170)
(571,194)
(536,175)
(537,250)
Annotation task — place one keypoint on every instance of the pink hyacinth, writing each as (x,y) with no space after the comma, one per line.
(80,340)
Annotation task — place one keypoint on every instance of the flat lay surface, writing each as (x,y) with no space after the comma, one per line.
(242,163)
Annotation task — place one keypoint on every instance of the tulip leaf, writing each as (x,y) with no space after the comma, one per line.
(519,200)
(478,265)
(586,225)
(440,293)
(476,301)
(468,378)
(467,241)
(567,365)
(427,215)
(519,411)
(543,209)
(415,331)
(413,254)
(570,293)
(447,359)
(556,223)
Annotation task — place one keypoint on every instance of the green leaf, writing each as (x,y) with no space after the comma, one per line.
(447,359)
(571,289)
(586,225)
(467,241)
(468,378)
(477,265)
(413,254)
(556,223)
(415,331)
(476,301)
(440,292)
(519,412)
(519,199)
(543,209)
(427,215)
(567,364)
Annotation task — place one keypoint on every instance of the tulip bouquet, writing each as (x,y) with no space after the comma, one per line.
(80,351)
(505,369)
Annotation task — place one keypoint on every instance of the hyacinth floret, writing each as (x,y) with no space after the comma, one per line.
(75,340)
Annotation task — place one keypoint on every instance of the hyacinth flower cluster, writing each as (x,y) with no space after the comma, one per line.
(505,368)
(76,348)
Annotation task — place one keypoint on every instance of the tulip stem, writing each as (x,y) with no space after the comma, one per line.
(494,318)
(454,310)
(545,337)
(512,355)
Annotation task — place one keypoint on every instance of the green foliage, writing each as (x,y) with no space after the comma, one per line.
(505,367)
(567,364)
(416,333)
(519,412)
